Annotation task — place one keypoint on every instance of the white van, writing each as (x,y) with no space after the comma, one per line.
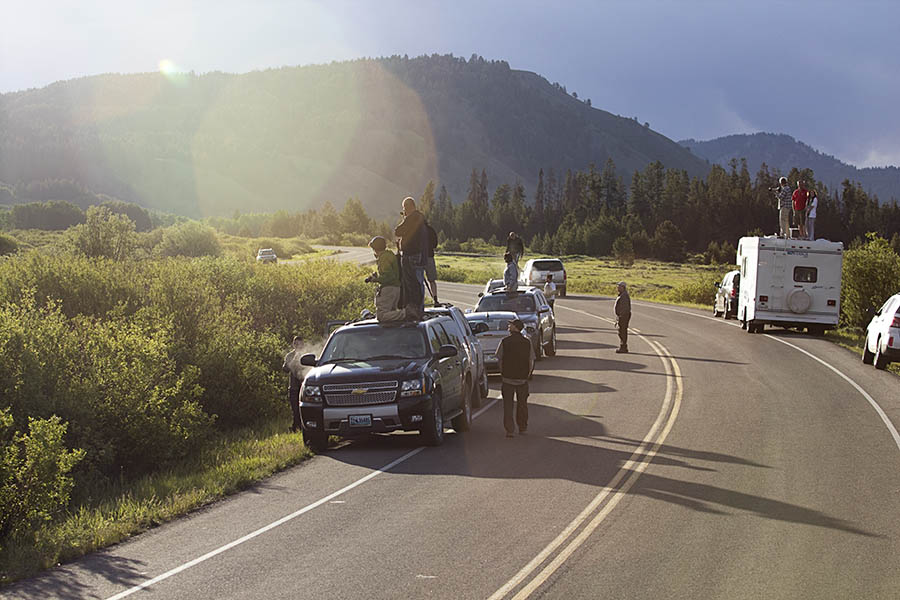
(789,283)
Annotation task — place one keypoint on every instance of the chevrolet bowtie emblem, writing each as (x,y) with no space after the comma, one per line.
(360,391)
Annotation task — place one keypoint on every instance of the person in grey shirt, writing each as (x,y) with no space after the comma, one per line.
(785,206)
(622,309)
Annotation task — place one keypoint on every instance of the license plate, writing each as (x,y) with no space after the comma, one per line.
(360,420)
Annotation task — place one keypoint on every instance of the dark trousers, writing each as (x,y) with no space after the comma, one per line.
(412,278)
(294,400)
(623,329)
(520,392)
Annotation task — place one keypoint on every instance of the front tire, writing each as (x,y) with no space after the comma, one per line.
(880,361)
(539,348)
(868,357)
(315,441)
(550,349)
(483,388)
(463,421)
(432,431)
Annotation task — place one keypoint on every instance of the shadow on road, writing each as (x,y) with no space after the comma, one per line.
(563,445)
(70,581)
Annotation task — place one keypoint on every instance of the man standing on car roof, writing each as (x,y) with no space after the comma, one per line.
(799,198)
(622,309)
(412,240)
(387,277)
(516,357)
(515,246)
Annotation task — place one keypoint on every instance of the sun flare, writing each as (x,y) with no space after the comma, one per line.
(167,67)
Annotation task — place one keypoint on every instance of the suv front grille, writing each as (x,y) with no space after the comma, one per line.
(360,394)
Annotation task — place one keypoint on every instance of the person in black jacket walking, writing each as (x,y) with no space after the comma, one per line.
(516,357)
(623,316)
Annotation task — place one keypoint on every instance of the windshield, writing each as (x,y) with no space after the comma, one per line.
(374,343)
(519,304)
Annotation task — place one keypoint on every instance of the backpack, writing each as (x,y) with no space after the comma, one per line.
(432,236)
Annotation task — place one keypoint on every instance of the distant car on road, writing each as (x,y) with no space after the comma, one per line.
(726,302)
(536,270)
(491,328)
(532,307)
(266,255)
(882,345)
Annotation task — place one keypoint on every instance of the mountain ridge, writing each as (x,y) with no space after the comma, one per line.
(782,152)
(293,137)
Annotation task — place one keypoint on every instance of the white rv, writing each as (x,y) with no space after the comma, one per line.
(789,283)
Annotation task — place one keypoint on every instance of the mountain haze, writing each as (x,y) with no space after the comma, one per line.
(294,137)
(782,152)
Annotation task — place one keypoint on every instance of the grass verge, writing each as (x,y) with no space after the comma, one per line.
(226,465)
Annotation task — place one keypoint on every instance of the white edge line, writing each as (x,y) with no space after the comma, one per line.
(268,527)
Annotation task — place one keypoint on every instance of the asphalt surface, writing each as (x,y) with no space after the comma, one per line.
(707,463)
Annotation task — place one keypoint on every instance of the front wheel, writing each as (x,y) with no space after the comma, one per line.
(483,389)
(880,361)
(463,421)
(868,357)
(432,431)
(550,348)
(315,441)
(539,348)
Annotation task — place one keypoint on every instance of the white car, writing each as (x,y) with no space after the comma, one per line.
(490,328)
(266,255)
(726,302)
(535,272)
(491,285)
(882,344)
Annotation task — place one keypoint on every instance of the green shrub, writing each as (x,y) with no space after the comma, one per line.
(34,474)
(8,244)
(446,273)
(871,273)
(189,239)
(104,235)
(623,251)
(451,245)
(701,291)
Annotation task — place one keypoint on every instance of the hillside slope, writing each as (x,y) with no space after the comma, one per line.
(294,137)
(782,152)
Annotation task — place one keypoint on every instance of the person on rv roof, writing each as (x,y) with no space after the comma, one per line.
(811,206)
(783,198)
(511,274)
(799,198)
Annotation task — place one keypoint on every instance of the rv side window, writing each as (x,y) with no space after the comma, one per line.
(805,274)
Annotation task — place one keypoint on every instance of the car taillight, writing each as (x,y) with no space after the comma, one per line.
(564,275)
(896,322)
(733,292)
(832,303)
(763,298)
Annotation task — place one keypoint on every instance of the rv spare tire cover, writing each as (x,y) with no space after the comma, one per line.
(799,301)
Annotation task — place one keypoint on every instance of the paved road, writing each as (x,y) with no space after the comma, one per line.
(708,463)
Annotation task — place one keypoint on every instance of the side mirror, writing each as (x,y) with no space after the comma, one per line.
(308,360)
(544,309)
(480,294)
(447,351)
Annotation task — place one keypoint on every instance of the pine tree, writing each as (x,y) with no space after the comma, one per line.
(426,202)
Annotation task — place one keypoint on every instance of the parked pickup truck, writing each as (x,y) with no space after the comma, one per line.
(382,377)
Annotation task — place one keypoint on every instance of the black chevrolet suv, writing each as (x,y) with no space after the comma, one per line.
(381,377)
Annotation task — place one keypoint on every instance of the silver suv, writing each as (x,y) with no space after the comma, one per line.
(532,307)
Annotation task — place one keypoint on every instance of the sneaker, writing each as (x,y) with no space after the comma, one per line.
(622,350)
(523,430)
(510,434)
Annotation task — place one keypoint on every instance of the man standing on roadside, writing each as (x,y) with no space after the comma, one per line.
(387,276)
(516,357)
(295,372)
(413,238)
(783,196)
(550,290)
(623,316)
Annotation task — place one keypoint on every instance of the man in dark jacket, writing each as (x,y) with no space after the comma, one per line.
(413,238)
(516,357)
(295,370)
(515,246)
(623,316)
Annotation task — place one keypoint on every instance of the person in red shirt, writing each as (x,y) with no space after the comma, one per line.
(799,198)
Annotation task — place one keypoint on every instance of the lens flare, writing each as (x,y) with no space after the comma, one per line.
(167,67)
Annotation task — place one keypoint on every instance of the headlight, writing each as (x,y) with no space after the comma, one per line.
(413,387)
(312,393)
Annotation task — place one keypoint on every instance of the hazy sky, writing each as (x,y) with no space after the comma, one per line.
(827,73)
